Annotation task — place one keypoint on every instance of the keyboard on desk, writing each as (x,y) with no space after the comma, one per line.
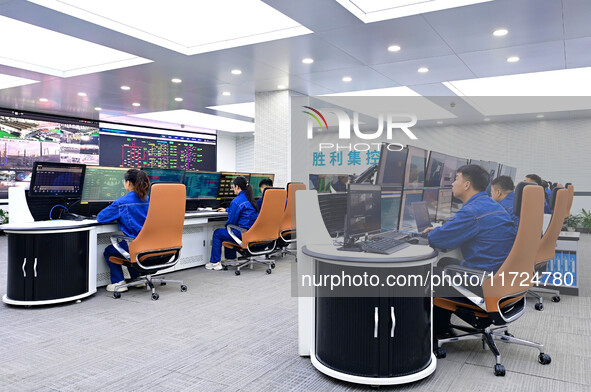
(386,243)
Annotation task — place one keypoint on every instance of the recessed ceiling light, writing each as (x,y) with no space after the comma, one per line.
(487,119)
(126,88)
(176,80)
(136,104)
(423,70)
(307,60)
(500,32)
(540,116)
(512,59)
(43,100)
(226,93)
(236,72)
(281,87)
(347,79)
(98,108)
(178,99)
(81,94)
(439,122)
(394,48)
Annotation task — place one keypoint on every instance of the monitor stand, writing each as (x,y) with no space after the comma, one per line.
(351,246)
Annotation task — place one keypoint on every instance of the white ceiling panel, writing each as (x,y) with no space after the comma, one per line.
(578,52)
(363,78)
(576,18)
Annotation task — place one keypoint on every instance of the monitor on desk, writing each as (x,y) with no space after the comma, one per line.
(201,185)
(434,169)
(255,180)
(156,175)
(55,179)
(391,197)
(430,196)
(414,173)
(444,204)
(407,218)
(507,170)
(448,174)
(103,184)
(421,214)
(333,208)
(391,168)
(226,188)
(363,211)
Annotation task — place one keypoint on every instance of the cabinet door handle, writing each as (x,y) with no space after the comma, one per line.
(393,321)
(35,267)
(376,318)
(23,267)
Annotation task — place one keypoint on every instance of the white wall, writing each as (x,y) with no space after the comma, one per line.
(226,153)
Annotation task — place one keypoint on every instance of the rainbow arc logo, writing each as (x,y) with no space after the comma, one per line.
(314,116)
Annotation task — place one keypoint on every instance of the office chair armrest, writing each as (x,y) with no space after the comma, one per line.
(241,229)
(115,239)
(469,287)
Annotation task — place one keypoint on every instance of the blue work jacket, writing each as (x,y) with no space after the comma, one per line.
(241,213)
(483,231)
(507,204)
(129,210)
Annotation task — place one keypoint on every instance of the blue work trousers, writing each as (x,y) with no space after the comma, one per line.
(219,236)
(116,270)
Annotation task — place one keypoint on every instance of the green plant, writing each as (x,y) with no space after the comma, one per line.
(3,217)
(586,218)
(573,220)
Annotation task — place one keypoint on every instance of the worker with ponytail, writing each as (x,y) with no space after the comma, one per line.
(243,211)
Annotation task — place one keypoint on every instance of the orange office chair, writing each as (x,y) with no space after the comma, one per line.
(287,231)
(502,299)
(559,203)
(571,194)
(261,238)
(159,243)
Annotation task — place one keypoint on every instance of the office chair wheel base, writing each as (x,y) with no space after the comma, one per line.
(237,272)
(509,334)
(544,359)
(116,295)
(269,271)
(440,353)
(539,306)
(225,267)
(273,265)
(556,298)
(499,370)
(162,283)
(155,296)
(183,288)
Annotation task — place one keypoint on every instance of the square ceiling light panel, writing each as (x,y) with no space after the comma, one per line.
(375,10)
(201,120)
(8,81)
(538,92)
(245,109)
(46,51)
(185,26)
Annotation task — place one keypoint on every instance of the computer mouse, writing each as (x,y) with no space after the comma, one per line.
(413,241)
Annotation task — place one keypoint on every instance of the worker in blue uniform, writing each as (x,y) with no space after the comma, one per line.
(130,211)
(502,192)
(538,180)
(265,183)
(243,212)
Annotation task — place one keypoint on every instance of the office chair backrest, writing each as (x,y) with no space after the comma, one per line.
(559,199)
(288,222)
(529,205)
(571,193)
(266,227)
(163,228)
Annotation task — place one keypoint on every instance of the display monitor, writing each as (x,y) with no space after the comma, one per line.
(57,179)
(456,205)
(407,217)
(333,208)
(255,180)
(226,188)
(508,171)
(363,211)
(492,169)
(476,162)
(444,204)
(328,183)
(461,162)
(391,198)
(414,173)
(448,174)
(156,175)
(434,169)
(103,183)
(392,165)
(202,185)
(430,197)
(421,213)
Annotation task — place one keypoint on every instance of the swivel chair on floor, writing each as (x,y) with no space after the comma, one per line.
(499,300)
(559,204)
(158,245)
(287,231)
(261,239)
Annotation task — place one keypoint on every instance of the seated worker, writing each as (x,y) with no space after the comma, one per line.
(243,212)
(130,211)
(482,229)
(265,183)
(538,180)
(502,192)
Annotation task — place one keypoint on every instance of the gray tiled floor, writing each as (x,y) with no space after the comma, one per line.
(239,333)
